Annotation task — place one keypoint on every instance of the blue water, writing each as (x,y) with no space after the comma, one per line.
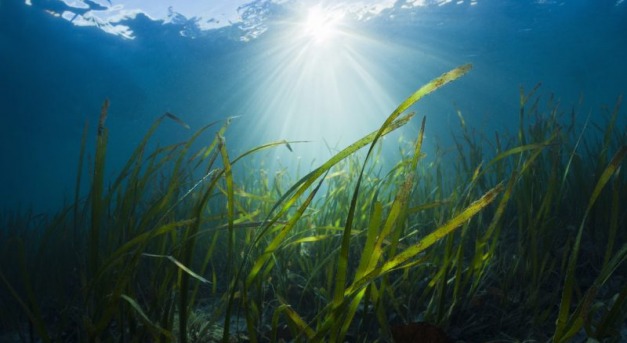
(54,77)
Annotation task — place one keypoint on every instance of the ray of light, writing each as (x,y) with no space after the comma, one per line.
(315,81)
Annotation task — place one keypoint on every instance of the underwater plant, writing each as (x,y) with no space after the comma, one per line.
(516,237)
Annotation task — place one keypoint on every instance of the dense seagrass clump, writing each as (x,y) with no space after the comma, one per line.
(513,238)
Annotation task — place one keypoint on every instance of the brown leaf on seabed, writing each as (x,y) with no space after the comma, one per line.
(419,333)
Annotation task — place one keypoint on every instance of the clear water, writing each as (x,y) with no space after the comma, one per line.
(287,73)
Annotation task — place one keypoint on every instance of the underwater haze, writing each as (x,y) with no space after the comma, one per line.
(285,70)
(313,171)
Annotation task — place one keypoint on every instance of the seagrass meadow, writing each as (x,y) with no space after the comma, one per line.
(514,236)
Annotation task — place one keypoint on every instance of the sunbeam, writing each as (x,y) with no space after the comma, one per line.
(316,81)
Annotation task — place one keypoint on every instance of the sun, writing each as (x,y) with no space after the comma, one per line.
(321,25)
(319,84)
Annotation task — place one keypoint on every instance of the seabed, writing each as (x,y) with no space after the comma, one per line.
(521,238)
